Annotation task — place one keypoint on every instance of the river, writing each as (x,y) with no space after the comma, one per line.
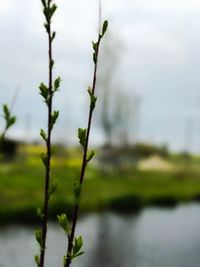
(154,237)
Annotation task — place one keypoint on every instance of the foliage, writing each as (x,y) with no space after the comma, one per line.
(146,150)
(9,119)
(21,189)
(7,147)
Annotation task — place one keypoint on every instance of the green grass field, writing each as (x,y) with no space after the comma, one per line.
(21,186)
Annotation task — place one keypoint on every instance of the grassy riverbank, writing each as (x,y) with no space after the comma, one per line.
(21,186)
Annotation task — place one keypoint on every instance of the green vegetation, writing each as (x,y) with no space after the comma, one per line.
(9,120)
(21,187)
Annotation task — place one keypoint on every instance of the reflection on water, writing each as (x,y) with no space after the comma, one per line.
(153,238)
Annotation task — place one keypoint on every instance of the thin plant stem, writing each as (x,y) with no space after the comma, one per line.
(48,149)
(71,235)
(47,93)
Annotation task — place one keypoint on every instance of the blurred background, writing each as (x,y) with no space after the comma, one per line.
(140,201)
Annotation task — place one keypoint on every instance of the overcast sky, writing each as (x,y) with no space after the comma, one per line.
(159,61)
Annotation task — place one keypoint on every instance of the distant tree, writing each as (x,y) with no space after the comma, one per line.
(118,110)
(125,117)
(106,82)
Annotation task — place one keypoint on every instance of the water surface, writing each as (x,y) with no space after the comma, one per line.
(153,238)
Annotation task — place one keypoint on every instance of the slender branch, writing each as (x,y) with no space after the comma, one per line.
(48,148)
(47,92)
(84,140)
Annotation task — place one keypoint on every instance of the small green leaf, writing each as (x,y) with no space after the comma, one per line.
(64,260)
(6,111)
(93,99)
(53,36)
(77,190)
(53,188)
(39,213)
(91,155)
(43,87)
(43,2)
(54,118)
(63,221)
(51,63)
(47,13)
(105,27)
(53,9)
(95,58)
(79,254)
(57,83)
(44,92)
(37,261)
(38,237)
(43,134)
(44,159)
(93,102)
(89,91)
(82,136)
(11,121)
(46,25)
(95,46)
(78,243)
(77,247)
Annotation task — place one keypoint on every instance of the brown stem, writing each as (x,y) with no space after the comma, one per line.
(83,167)
(48,151)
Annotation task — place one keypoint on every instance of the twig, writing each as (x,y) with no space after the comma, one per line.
(74,245)
(47,92)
